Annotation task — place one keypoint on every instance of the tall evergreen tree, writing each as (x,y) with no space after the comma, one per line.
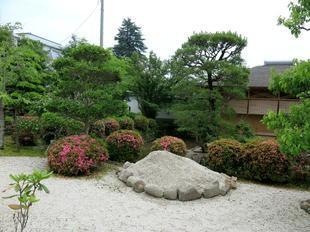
(129,40)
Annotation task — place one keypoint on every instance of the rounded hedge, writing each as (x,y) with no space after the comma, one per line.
(111,125)
(98,128)
(263,161)
(171,144)
(141,122)
(126,123)
(27,130)
(124,145)
(223,156)
(76,155)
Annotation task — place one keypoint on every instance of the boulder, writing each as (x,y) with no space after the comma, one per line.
(124,174)
(305,205)
(171,193)
(154,190)
(131,181)
(127,165)
(188,193)
(211,190)
(139,186)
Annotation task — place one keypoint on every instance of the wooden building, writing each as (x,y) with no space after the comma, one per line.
(260,100)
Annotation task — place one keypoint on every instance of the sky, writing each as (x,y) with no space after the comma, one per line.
(165,24)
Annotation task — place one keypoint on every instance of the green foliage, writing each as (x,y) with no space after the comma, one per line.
(223,156)
(171,144)
(141,122)
(54,126)
(124,145)
(292,129)
(207,71)
(263,161)
(27,130)
(126,123)
(98,128)
(299,18)
(26,187)
(150,86)
(129,40)
(88,88)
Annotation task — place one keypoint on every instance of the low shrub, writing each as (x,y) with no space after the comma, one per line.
(111,125)
(171,144)
(76,155)
(98,128)
(243,132)
(126,123)
(263,161)
(141,122)
(124,145)
(300,170)
(223,156)
(55,126)
(27,130)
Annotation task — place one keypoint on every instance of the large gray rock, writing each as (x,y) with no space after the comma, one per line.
(154,190)
(211,190)
(171,193)
(127,165)
(124,174)
(139,186)
(131,181)
(188,193)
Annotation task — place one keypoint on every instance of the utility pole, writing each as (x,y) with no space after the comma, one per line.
(101,22)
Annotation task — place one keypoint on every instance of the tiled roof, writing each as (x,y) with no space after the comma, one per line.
(261,75)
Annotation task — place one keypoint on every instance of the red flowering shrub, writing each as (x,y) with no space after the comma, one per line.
(76,155)
(141,122)
(223,156)
(124,145)
(126,123)
(263,161)
(98,128)
(300,170)
(170,143)
(111,125)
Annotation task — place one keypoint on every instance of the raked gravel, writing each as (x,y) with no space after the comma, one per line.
(107,204)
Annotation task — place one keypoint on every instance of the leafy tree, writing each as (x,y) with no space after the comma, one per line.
(292,129)
(88,87)
(150,85)
(299,18)
(129,40)
(209,71)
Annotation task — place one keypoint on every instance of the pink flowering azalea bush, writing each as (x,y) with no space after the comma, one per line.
(170,143)
(76,155)
(124,145)
(98,128)
(111,125)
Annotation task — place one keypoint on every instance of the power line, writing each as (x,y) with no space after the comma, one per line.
(83,22)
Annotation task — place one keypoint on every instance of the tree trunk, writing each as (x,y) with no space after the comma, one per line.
(16,135)
(210,86)
(2,125)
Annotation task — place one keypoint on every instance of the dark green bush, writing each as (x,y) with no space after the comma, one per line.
(223,156)
(124,145)
(300,170)
(141,122)
(54,126)
(27,130)
(126,123)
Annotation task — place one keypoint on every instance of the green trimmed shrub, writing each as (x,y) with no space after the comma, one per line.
(55,126)
(98,128)
(111,125)
(171,144)
(223,156)
(76,155)
(141,122)
(126,123)
(124,145)
(263,161)
(27,130)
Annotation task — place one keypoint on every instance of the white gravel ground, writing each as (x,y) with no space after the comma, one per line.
(106,204)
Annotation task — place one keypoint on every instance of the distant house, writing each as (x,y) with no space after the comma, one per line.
(259,99)
(54,49)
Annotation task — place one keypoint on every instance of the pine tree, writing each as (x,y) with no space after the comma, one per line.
(129,40)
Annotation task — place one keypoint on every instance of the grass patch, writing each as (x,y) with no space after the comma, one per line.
(31,151)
